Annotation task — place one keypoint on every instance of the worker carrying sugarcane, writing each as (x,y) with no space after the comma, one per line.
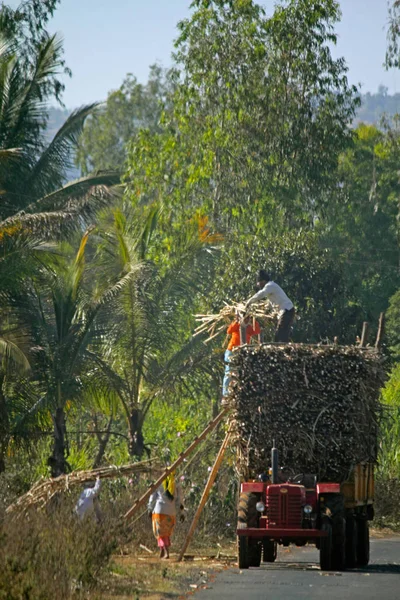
(275,294)
(162,508)
(234,331)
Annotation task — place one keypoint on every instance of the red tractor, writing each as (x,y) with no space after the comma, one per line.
(332,516)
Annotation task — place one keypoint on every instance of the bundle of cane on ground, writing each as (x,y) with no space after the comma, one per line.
(43,490)
(214,324)
(319,404)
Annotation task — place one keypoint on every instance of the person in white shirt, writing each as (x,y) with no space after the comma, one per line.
(162,507)
(275,294)
(88,501)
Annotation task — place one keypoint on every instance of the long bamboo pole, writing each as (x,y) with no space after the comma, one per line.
(139,503)
(206,493)
(381,329)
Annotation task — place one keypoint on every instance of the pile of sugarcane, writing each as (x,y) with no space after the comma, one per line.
(214,324)
(318,404)
(44,490)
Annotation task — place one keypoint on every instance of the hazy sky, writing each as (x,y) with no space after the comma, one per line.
(106,39)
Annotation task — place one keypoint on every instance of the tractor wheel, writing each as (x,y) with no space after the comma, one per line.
(248,516)
(351,542)
(249,551)
(335,505)
(270,550)
(339,543)
(362,542)
(254,553)
(325,546)
(243,552)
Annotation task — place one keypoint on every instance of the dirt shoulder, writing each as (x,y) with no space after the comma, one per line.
(145,576)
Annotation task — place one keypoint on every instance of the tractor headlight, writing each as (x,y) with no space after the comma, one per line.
(307,509)
(260,506)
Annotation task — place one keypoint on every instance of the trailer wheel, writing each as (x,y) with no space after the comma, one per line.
(243,552)
(270,550)
(351,542)
(325,546)
(362,542)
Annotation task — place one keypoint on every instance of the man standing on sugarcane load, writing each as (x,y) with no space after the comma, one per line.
(275,294)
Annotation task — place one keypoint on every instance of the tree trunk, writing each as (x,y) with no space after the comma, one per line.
(103,441)
(57,461)
(136,440)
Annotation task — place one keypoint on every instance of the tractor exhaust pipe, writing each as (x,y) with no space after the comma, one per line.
(274,464)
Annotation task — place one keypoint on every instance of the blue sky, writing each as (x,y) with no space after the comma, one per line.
(106,39)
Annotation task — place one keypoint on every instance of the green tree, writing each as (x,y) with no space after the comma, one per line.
(261,113)
(360,225)
(310,275)
(132,107)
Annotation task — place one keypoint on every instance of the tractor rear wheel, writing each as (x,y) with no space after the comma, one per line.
(248,516)
(362,542)
(270,550)
(249,551)
(351,542)
(243,552)
(334,504)
(325,546)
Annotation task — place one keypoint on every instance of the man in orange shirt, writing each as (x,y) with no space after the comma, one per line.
(234,332)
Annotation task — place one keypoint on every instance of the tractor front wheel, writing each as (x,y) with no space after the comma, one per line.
(270,550)
(254,553)
(243,552)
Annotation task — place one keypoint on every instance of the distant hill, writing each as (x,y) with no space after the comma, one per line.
(57,118)
(374,106)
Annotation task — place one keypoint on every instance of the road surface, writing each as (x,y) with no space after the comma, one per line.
(296,574)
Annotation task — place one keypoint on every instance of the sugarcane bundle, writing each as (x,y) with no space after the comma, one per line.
(319,404)
(214,324)
(43,490)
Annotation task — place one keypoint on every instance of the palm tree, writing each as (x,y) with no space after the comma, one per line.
(67,316)
(149,354)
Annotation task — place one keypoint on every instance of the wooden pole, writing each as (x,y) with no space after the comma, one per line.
(381,330)
(206,493)
(364,335)
(139,503)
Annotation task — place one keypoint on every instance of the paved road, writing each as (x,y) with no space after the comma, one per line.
(296,574)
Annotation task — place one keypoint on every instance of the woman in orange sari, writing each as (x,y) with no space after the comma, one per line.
(162,508)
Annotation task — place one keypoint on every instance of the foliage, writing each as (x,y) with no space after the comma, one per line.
(254,130)
(25,26)
(54,554)
(393,50)
(308,273)
(127,110)
(360,225)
